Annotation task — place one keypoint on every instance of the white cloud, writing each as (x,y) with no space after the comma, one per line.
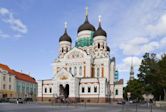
(17,25)
(158,29)
(138,46)
(163,41)
(126,63)
(14,23)
(138,41)
(149,47)
(4,11)
(18,35)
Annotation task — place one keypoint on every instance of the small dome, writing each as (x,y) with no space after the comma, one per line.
(108,49)
(86,26)
(65,37)
(100,32)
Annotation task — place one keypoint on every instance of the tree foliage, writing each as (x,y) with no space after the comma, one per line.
(135,87)
(151,78)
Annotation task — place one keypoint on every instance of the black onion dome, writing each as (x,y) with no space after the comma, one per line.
(100,32)
(108,49)
(65,37)
(86,26)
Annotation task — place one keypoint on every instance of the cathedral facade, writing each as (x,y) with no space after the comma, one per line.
(85,72)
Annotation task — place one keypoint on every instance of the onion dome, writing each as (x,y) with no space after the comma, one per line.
(108,49)
(65,36)
(86,25)
(100,31)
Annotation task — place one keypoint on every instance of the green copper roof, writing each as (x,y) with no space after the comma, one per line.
(85,41)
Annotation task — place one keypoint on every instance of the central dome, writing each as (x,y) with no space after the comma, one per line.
(86,26)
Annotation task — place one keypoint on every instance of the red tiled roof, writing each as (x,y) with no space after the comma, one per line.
(19,75)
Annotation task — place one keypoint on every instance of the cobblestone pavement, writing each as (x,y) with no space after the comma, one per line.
(76,108)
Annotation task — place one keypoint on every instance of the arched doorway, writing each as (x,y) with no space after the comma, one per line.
(64,92)
(61,90)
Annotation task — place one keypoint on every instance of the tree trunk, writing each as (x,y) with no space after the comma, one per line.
(164,94)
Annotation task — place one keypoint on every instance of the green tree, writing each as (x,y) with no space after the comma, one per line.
(152,74)
(162,75)
(135,87)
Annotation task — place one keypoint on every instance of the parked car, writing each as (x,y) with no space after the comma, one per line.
(13,100)
(4,100)
(20,100)
(28,100)
(121,102)
(16,100)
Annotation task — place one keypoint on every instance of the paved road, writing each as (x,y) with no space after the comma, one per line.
(74,108)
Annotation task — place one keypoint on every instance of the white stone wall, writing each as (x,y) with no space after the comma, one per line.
(119,87)
(45,84)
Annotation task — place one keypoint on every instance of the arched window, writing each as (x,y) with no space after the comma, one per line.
(62,50)
(95,89)
(45,90)
(83,89)
(75,71)
(66,49)
(50,90)
(98,72)
(116,92)
(89,89)
(98,45)
(80,71)
(70,70)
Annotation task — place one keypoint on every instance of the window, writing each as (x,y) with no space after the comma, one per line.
(95,89)
(9,79)
(50,90)
(27,89)
(70,70)
(23,89)
(80,71)
(83,89)
(10,87)
(18,88)
(98,45)
(98,72)
(88,89)
(66,49)
(4,78)
(75,71)
(62,50)
(4,86)
(116,92)
(45,90)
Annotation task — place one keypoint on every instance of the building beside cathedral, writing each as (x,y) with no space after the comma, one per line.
(84,72)
(14,84)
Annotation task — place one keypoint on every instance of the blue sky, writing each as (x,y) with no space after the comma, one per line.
(30,30)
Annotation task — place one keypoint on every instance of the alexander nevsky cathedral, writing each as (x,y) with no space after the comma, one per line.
(84,72)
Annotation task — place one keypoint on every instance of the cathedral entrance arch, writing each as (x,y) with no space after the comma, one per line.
(64,91)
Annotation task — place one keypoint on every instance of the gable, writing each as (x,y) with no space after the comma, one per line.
(75,53)
(63,75)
